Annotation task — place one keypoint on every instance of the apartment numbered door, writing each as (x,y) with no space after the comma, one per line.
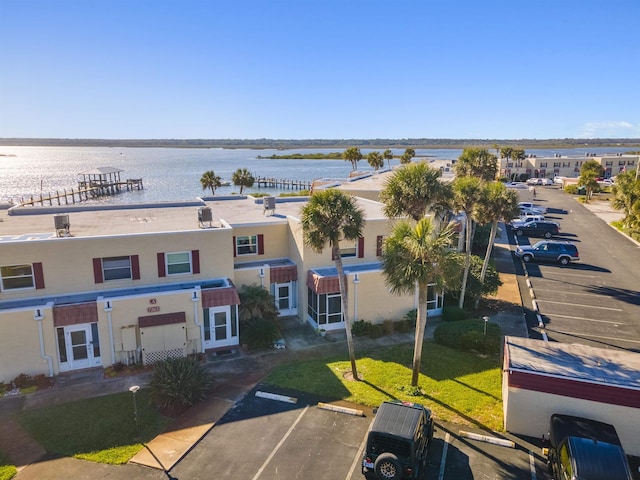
(220,327)
(78,347)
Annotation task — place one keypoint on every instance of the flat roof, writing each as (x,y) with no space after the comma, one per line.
(93,220)
(574,361)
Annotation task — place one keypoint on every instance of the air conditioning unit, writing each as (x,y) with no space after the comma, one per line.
(205,216)
(62,224)
(269,204)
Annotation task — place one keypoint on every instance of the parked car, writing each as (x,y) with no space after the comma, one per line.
(398,442)
(549,251)
(530,211)
(516,185)
(580,448)
(537,229)
(534,181)
(533,206)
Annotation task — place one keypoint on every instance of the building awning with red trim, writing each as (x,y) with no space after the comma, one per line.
(161,319)
(322,285)
(75,314)
(283,274)
(217,297)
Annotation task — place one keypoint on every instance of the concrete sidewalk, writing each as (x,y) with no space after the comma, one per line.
(234,376)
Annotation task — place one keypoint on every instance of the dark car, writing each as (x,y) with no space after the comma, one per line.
(398,442)
(537,229)
(549,251)
(584,449)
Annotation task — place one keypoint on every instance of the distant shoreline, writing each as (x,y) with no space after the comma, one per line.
(264,144)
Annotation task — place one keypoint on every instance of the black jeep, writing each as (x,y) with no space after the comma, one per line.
(398,442)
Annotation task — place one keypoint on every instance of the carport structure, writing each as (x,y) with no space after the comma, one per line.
(542,378)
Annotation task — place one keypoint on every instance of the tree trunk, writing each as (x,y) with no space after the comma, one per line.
(487,256)
(345,310)
(467,262)
(421,325)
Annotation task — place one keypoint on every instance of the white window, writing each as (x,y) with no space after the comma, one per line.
(247,245)
(16,277)
(178,263)
(348,249)
(324,308)
(116,268)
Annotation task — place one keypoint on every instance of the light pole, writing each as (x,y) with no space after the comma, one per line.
(134,389)
(486,319)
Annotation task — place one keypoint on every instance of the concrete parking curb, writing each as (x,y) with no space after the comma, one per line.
(339,409)
(488,439)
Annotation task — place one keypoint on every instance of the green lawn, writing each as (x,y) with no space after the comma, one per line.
(100,429)
(460,387)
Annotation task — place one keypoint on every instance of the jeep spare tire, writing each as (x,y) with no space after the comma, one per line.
(387,467)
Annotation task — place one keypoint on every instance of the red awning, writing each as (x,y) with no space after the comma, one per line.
(217,297)
(75,314)
(161,319)
(322,285)
(283,274)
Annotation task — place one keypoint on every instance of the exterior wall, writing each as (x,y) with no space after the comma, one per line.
(566,166)
(251,276)
(68,262)
(275,241)
(528,413)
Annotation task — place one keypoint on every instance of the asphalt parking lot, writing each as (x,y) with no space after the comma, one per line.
(595,301)
(263,438)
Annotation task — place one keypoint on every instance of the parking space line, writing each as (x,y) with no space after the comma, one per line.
(359,457)
(443,460)
(550,275)
(553,315)
(582,334)
(568,292)
(277,447)
(581,305)
(532,464)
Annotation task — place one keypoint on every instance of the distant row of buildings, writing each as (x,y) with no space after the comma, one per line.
(567,166)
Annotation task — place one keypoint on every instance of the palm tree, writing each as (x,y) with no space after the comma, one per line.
(412,191)
(388,156)
(415,253)
(376,160)
(242,178)
(627,198)
(498,203)
(210,180)
(467,193)
(329,217)
(477,162)
(352,155)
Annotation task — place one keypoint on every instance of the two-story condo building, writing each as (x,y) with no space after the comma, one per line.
(90,286)
(567,166)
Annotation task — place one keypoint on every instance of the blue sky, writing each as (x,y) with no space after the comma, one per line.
(303,69)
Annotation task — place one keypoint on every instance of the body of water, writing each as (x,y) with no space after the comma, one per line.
(174,173)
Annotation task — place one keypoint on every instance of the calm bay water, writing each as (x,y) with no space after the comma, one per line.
(174,173)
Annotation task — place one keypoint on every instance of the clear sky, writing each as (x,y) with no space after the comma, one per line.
(331,69)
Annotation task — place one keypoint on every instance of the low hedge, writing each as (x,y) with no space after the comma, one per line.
(469,335)
(453,313)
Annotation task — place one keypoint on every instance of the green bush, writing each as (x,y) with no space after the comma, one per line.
(376,330)
(453,313)
(178,383)
(259,333)
(571,189)
(469,335)
(411,317)
(404,326)
(360,328)
(388,327)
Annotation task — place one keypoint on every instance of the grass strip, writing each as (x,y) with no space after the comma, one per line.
(460,387)
(101,429)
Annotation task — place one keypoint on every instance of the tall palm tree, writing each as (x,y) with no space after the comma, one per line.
(376,160)
(242,178)
(498,203)
(467,193)
(210,180)
(353,155)
(412,191)
(415,253)
(477,162)
(388,156)
(329,217)
(627,198)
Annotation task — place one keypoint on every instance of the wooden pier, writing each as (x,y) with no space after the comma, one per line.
(95,183)
(265,182)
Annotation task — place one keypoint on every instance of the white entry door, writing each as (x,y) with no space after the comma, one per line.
(78,347)
(284,294)
(220,327)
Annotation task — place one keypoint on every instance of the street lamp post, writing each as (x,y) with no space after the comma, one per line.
(486,319)
(134,389)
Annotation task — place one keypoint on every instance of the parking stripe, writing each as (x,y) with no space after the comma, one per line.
(359,457)
(553,315)
(582,334)
(443,460)
(277,447)
(532,464)
(549,275)
(581,305)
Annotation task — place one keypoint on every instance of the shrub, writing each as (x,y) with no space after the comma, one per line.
(178,383)
(571,189)
(259,333)
(23,381)
(453,313)
(469,335)
(360,328)
(388,327)
(375,330)
(410,317)
(404,326)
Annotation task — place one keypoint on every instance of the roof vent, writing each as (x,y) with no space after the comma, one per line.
(62,225)
(269,205)
(205,217)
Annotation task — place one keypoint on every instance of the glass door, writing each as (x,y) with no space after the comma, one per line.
(284,294)
(78,346)
(220,327)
